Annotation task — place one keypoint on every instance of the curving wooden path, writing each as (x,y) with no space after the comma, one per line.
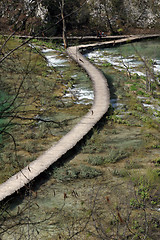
(99,108)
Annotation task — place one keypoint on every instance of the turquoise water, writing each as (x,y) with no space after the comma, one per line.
(130,57)
(135,61)
(147,48)
(48,208)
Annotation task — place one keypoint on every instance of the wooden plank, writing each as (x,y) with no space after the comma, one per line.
(67,142)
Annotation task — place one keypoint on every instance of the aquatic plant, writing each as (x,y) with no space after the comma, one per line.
(96,160)
(68,173)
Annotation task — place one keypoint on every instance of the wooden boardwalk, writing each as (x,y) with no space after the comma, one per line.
(99,108)
(66,143)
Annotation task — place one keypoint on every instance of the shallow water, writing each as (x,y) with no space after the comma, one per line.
(81,92)
(47,203)
(127,56)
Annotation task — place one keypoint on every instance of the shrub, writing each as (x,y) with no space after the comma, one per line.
(89,148)
(30,147)
(106,64)
(69,173)
(66,173)
(89,172)
(141,93)
(120,173)
(157,162)
(133,88)
(96,160)
(116,155)
(132,165)
(138,107)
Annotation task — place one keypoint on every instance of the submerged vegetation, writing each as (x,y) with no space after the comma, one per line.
(34,113)
(110,188)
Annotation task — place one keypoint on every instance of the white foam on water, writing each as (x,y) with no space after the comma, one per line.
(53,61)
(81,95)
(47,50)
(120,63)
